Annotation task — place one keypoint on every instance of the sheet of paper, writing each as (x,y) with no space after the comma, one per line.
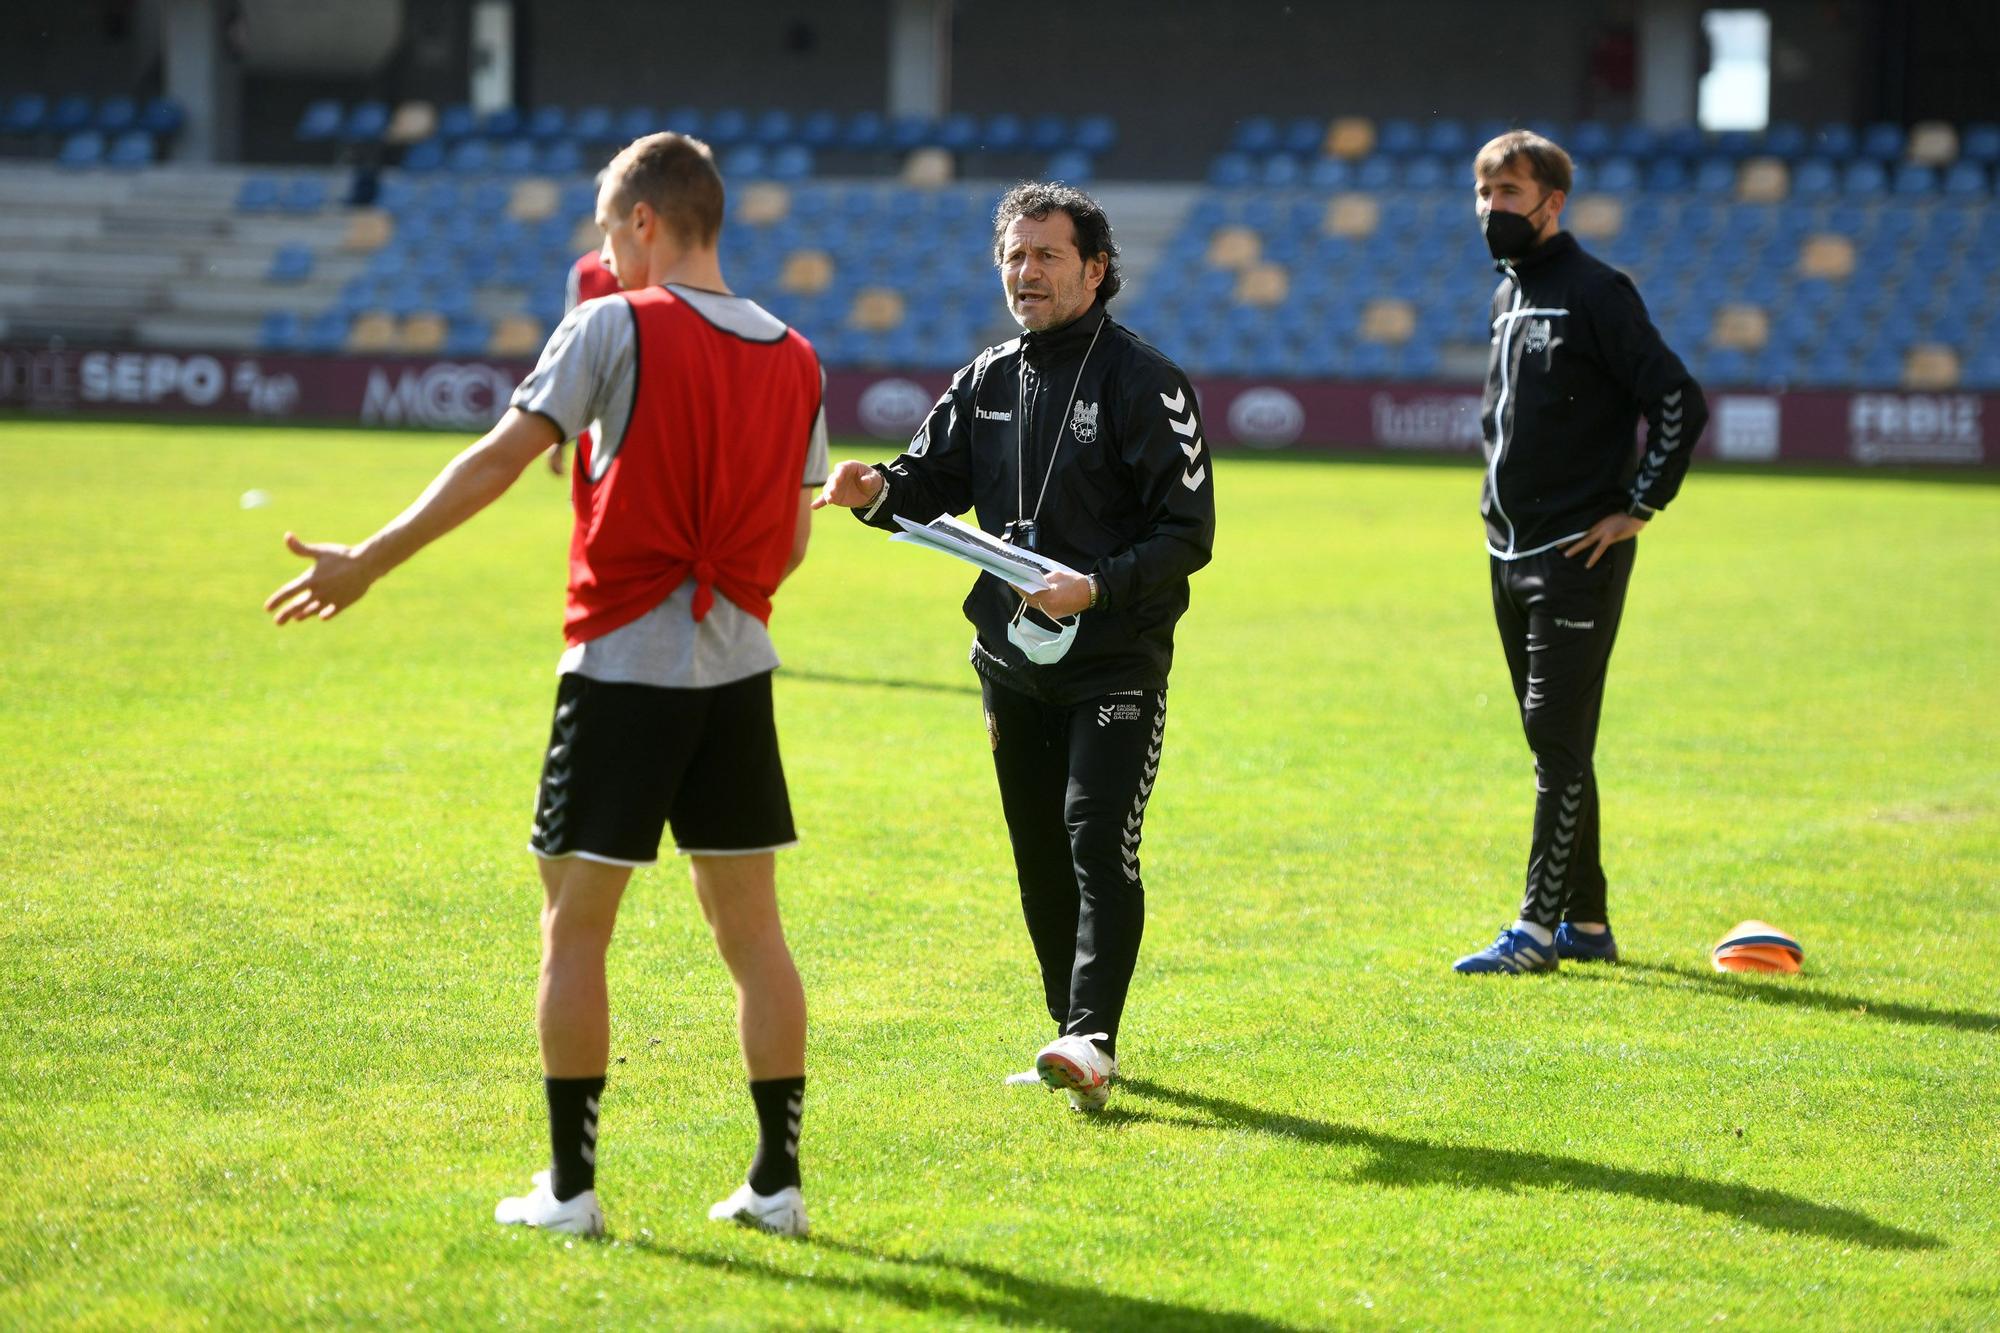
(1015,565)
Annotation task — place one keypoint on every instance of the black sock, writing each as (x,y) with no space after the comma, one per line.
(780,1105)
(573,1134)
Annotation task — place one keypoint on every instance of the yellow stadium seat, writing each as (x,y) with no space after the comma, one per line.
(1763,180)
(806,272)
(412,123)
(1388,319)
(1263,284)
(1595,217)
(763,202)
(1351,137)
(1742,326)
(1234,247)
(422,332)
(876,309)
(586,236)
(927,168)
(533,199)
(1352,215)
(1930,367)
(1933,143)
(1827,256)
(517,336)
(372,331)
(368,230)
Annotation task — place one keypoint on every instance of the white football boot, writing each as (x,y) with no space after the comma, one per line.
(539,1207)
(1075,1065)
(781,1214)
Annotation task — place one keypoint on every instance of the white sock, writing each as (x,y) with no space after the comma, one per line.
(1541,935)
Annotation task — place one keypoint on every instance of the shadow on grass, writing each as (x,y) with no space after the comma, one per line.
(1003,1297)
(1400,1161)
(879,682)
(1790,991)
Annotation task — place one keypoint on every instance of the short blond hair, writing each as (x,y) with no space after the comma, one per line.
(675,175)
(1548,164)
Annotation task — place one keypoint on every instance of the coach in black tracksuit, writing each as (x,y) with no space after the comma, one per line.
(1574,364)
(1084,442)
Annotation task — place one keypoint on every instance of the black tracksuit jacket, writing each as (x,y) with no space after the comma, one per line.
(1575,360)
(1131,497)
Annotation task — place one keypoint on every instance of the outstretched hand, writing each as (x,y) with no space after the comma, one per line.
(335,582)
(1604,534)
(1067,594)
(851,485)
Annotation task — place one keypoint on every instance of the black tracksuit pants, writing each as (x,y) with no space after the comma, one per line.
(1557,622)
(1074,781)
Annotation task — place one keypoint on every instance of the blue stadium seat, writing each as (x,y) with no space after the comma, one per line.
(1615,175)
(1231,171)
(1638,142)
(1048,133)
(115,115)
(502,123)
(957,133)
(1784,140)
(1071,166)
(472,157)
(909,131)
(134,148)
(791,162)
(1980,142)
(1096,134)
(280,331)
(1004,132)
(303,194)
(593,125)
(1398,138)
(162,117)
(82,149)
(546,124)
(456,122)
(819,129)
(515,157)
(1303,136)
(1684,141)
(291,263)
(1330,173)
(1280,171)
(1715,177)
(26,114)
(561,158)
(467,337)
(258,194)
(70,115)
(1375,173)
(772,127)
(1426,173)
(743,162)
(726,127)
(427,156)
(1814,178)
(367,122)
(866,132)
(1882,142)
(319,122)
(1834,140)
(324,332)
(1256,134)
(1864,177)
(636,122)
(1666,175)
(1966,180)
(1912,179)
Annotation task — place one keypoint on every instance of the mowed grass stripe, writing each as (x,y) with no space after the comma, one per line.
(268,953)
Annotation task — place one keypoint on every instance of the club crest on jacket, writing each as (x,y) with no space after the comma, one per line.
(1083,422)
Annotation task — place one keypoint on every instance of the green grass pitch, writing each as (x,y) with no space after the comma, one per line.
(267,931)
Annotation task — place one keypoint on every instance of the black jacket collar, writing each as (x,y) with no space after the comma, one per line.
(1559,246)
(1060,344)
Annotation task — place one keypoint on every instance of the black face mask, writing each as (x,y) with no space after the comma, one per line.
(1511,236)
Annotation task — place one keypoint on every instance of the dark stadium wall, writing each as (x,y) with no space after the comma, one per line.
(746,53)
(99,47)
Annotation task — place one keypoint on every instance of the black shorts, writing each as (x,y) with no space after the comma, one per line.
(626,760)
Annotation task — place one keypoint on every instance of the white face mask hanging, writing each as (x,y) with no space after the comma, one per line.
(1041,645)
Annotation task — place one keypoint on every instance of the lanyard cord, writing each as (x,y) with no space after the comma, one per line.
(1020,428)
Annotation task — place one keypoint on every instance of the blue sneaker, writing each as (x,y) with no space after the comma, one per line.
(1512,951)
(1584,947)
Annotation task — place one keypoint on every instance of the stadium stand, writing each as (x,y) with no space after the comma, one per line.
(1317,247)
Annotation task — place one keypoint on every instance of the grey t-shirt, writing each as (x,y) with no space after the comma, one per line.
(585,381)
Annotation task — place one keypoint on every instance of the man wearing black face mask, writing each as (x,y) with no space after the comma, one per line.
(1575,363)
